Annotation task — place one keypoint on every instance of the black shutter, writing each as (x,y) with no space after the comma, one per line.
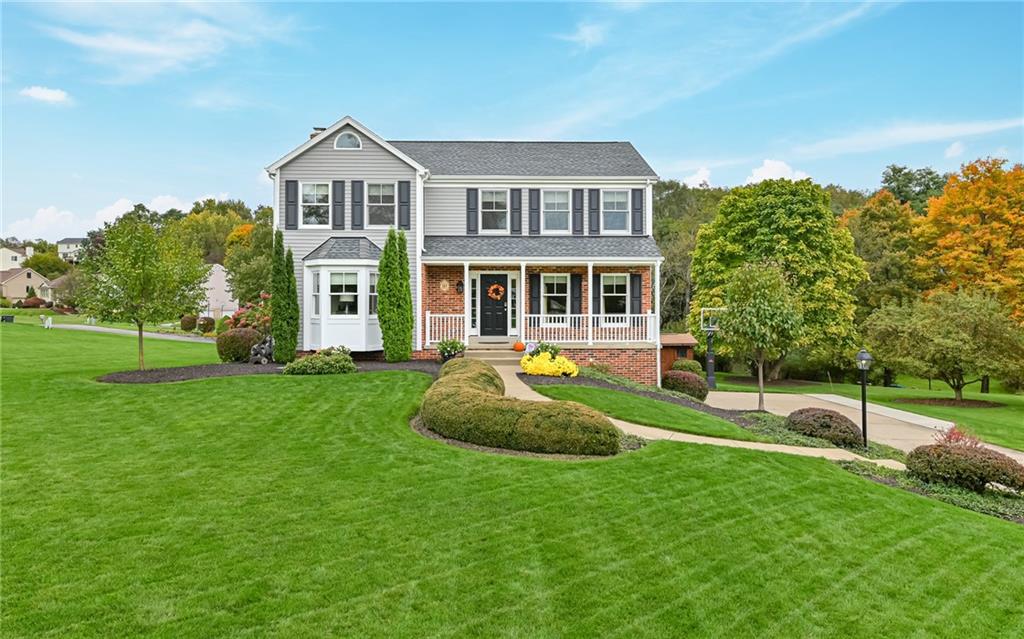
(291,204)
(471,212)
(577,211)
(357,205)
(534,293)
(534,211)
(594,211)
(636,289)
(338,204)
(404,219)
(575,294)
(516,211)
(638,211)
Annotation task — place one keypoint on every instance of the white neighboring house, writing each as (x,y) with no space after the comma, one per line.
(13,257)
(69,248)
(219,299)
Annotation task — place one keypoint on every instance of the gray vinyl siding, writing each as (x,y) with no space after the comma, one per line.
(322,163)
(446,206)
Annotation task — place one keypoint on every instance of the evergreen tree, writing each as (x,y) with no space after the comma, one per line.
(284,303)
(394,300)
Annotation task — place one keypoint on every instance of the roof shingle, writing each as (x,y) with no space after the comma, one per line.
(567,246)
(533,159)
(345,248)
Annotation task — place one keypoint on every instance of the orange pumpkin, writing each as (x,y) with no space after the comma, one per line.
(519,347)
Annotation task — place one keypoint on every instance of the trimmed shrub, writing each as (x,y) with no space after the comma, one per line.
(33,302)
(188,323)
(205,324)
(687,365)
(326,362)
(826,424)
(223,324)
(687,383)
(466,403)
(236,345)
(961,460)
(544,363)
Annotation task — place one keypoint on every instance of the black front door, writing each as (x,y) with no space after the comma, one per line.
(493,305)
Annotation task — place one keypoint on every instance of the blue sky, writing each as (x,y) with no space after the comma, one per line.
(105,104)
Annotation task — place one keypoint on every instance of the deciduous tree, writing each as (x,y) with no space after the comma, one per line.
(913,186)
(248,257)
(49,265)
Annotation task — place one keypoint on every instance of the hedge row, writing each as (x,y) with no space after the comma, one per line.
(467,403)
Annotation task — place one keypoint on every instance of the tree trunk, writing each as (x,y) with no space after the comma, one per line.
(775,372)
(958,393)
(887,377)
(984,383)
(760,384)
(142,361)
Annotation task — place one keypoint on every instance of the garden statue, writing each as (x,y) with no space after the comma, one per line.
(263,352)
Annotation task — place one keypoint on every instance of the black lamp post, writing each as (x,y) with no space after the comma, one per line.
(864,360)
(711,359)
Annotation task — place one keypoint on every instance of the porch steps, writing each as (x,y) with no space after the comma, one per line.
(494,357)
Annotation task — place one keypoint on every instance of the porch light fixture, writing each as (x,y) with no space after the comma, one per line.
(864,360)
(460,287)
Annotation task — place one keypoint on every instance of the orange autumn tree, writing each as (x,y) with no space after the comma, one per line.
(973,235)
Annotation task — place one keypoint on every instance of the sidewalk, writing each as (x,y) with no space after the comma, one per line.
(124,331)
(515,387)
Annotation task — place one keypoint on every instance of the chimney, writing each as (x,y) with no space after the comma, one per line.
(317,130)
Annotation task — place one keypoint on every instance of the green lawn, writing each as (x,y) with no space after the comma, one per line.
(307,507)
(1003,425)
(651,412)
(30,316)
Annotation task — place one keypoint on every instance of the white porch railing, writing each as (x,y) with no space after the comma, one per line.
(441,327)
(590,329)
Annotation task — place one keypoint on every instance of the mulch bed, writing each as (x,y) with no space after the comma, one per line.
(734,416)
(963,403)
(206,371)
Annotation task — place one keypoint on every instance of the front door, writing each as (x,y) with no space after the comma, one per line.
(493,305)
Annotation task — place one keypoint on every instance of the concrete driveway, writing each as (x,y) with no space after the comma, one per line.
(898,428)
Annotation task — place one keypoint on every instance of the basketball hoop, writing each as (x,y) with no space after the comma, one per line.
(709,318)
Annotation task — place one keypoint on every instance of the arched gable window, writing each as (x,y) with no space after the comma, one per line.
(347,141)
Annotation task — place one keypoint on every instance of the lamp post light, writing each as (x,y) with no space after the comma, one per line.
(864,360)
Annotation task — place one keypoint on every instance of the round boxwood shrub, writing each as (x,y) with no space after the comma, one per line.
(687,383)
(466,403)
(188,323)
(205,324)
(326,362)
(33,302)
(967,466)
(688,365)
(236,345)
(826,424)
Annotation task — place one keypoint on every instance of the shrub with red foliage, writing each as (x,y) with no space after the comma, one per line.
(188,323)
(687,383)
(33,302)
(826,424)
(236,345)
(255,316)
(960,459)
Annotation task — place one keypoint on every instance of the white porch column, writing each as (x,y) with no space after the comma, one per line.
(467,291)
(590,304)
(657,317)
(523,301)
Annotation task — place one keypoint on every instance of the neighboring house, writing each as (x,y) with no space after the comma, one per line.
(219,300)
(16,282)
(69,248)
(51,290)
(13,257)
(507,241)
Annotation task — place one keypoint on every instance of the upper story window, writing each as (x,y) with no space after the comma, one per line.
(14,258)
(493,210)
(380,198)
(347,141)
(344,294)
(315,198)
(614,211)
(555,211)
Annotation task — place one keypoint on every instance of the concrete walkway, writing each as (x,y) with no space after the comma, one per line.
(124,331)
(515,387)
(897,428)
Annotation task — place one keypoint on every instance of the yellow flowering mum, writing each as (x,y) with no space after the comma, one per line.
(544,364)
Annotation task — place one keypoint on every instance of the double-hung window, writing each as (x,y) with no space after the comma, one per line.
(316,294)
(615,297)
(344,294)
(380,198)
(555,212)
(614,211)
(373,293)
(493,210)
(554,298)
(315,200)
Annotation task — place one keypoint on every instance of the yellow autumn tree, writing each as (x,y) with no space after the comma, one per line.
(973,235)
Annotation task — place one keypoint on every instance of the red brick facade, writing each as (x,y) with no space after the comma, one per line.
(638,364)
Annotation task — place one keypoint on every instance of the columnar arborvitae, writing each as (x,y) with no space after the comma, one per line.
(284,303)
(394,301)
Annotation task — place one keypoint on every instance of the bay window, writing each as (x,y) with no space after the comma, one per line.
(315,201)
(344,294)
(373,293)
(555,211)
(614,211)
(316,294)
(380,200)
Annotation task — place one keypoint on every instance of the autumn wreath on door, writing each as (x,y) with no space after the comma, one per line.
(496,292)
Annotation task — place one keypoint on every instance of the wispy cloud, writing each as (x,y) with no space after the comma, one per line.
(46,94)
(586,35)
(217,100)
(137,41)
(876,139)
(773,170)
(701,177)
(955,150)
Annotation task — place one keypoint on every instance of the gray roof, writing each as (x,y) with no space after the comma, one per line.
(71,240)
(558,246)
(345,248)
(534,159)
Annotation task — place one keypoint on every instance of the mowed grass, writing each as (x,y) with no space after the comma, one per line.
(1003,425)
(307,507)
(647,411)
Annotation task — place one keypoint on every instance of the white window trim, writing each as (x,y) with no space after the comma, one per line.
(352,133)
(544,315)
(315,291)
(615,318)
(358,314)
(480,213)
(477,300)
(372,290)
(600,213)
(367,205)
(330,200)
(543,218)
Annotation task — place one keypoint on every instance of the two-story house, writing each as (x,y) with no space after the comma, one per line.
(68,248)
(508,241)
(12,256)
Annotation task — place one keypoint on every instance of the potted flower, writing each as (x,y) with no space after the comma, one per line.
(450,348)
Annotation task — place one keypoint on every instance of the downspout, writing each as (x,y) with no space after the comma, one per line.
(421,177)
